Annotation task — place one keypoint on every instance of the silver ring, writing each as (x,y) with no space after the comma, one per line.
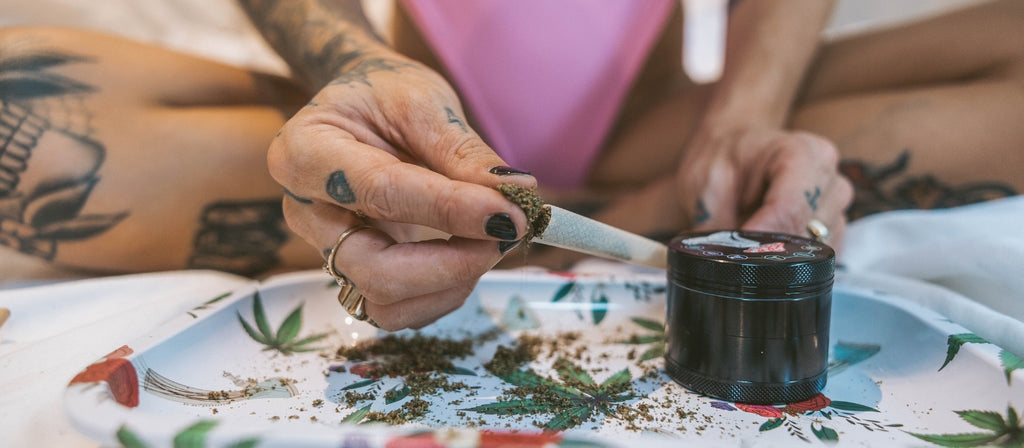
(818,230)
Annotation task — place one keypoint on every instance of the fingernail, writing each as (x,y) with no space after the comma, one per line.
(506,246)
(501,226)
(507,171)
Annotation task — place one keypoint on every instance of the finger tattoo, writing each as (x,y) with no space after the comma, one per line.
(702,215)
(338,189)
(298,198)
(812,198)
(454,118)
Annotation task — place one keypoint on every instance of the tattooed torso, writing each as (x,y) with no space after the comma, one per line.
(43,125)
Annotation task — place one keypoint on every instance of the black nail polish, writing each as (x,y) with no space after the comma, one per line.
(506,246)
(501,226)
(507,171)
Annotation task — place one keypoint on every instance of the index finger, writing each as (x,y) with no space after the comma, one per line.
(322,162)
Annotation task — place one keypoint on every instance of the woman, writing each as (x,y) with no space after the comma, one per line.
(385,141)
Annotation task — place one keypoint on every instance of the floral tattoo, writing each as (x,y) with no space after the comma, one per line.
(43,119)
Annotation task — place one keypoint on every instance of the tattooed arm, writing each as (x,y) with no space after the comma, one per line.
(385,141)
(321,40)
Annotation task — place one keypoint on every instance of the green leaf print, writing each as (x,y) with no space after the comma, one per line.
(575,399)
(640,340)
(512,407)
(569,419)
(653,352)
(955,341)
(825,434)
(528,378)
(358,415)
(207,304)
(397,393)
(252,333)
(194,436)
(359,384)
(459,371)
(991,421)
(771,424)
(851,407)
(290,327)
(1010,363)
(600,308)
(958,440)
(573,375)
(649,324)
(657,350)
(563,292)
(129,439)
(261,316)
(284,339)
(617,382)
(1006,432)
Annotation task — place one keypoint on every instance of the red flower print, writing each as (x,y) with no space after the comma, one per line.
(421,440)
(484,439)
(494,439)
(815,403)
(762,410)
(364,370)
(118,373)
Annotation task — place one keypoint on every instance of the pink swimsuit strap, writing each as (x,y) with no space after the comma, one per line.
(543,78)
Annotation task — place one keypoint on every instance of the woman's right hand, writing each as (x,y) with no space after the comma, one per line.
(387,144)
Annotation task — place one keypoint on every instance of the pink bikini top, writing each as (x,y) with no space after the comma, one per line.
(544,78)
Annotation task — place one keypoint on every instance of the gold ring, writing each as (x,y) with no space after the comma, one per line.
(329,264)
(349,297)
(818,230)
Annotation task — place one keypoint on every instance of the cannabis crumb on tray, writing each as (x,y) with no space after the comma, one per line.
(398,355)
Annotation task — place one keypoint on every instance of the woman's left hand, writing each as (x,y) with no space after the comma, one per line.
(763,179)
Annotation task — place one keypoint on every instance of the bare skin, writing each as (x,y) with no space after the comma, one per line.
(160,197)
(143,149)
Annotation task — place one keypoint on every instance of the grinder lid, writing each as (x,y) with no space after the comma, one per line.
(750,260)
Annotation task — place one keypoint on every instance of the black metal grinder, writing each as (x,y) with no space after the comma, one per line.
(748,315)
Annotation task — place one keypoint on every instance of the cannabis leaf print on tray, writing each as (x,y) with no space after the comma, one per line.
(283,340)
(574,400)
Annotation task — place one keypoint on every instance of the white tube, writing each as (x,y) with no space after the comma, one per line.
(704,34)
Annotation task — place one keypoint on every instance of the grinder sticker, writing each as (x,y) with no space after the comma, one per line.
(737,245)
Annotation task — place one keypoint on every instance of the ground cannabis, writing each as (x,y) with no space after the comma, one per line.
(532,205)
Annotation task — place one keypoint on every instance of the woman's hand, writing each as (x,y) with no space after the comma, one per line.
(386,143)
(763,179)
